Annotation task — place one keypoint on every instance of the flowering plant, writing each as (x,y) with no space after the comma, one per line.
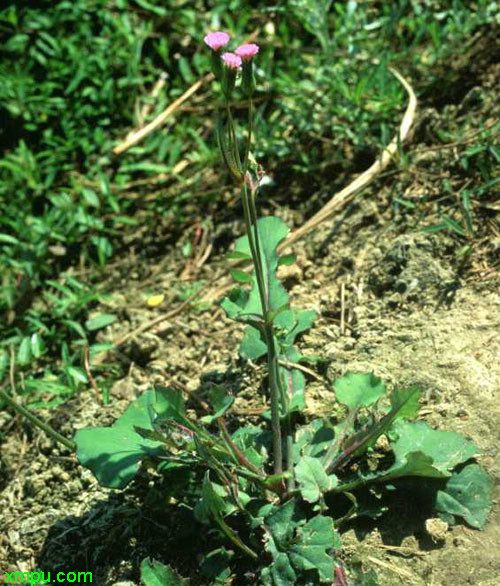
(276,493)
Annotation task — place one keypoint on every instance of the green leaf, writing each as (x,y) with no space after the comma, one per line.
(77,374)
(358,390)
(272,231)
(4,363)
(301,321)
(168,404)
(313,479)
(287,260)
(405,403)
(241,276)
(114,453)
(280,572)
(446,448)
(297,546)
(422,451)
(154,573)
(7,239)
(236,255)
(215,565)
(215,506)
(100,321)
(91,198)
(467,495)
(312,547)
(252,345)
(37,345)
(220,402)
(24,352)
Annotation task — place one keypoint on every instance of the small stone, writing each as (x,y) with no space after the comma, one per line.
(436,529)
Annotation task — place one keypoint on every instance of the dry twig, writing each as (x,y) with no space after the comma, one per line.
(138,135)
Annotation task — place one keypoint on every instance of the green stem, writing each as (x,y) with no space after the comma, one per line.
(274,388)
(38,422)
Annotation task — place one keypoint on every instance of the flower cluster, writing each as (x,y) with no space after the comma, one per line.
(226,65)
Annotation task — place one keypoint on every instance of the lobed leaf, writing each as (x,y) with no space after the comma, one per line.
(154,573)
(468,495)
(358,390)
(114,453)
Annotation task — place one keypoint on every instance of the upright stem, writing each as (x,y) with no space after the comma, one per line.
(272,356)
(248,193)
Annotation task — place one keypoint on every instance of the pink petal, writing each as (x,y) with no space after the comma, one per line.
(216,40)
(231,60)
(247,51)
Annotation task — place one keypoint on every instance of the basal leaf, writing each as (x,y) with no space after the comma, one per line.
(467,495)
(154,573)
(446,448)
(313,545)
(167,405)
(358,390)
(280,572)
(297,546)
(114,453)
(220,401)
(405,402)
(313,479)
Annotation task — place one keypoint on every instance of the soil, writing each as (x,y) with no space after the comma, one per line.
(390,298)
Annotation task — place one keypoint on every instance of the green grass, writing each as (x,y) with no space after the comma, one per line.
(74,75)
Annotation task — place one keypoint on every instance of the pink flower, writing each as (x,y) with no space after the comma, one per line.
(231,60)
(248,51)
(216,40)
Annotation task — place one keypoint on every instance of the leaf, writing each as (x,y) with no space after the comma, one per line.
(100,321)
(91,197)
(168,405)
(241,276)
(467,495)
(77,374)
(358,390)
(302,320)
(37,345)
(8,239)
(272,231)
(220,402)
(154,573)
(4,363)
(214,506)
(252,345)
(114,453)
(287,260)
(312,547)
(446,448)
(405,403)
(215,565)
(236,255)
(313,479)
(24,352)
(423,451)
(280,572)
(297,546)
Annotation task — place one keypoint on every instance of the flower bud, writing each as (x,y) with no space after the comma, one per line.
(232,63)
(247,53)
(216,41)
